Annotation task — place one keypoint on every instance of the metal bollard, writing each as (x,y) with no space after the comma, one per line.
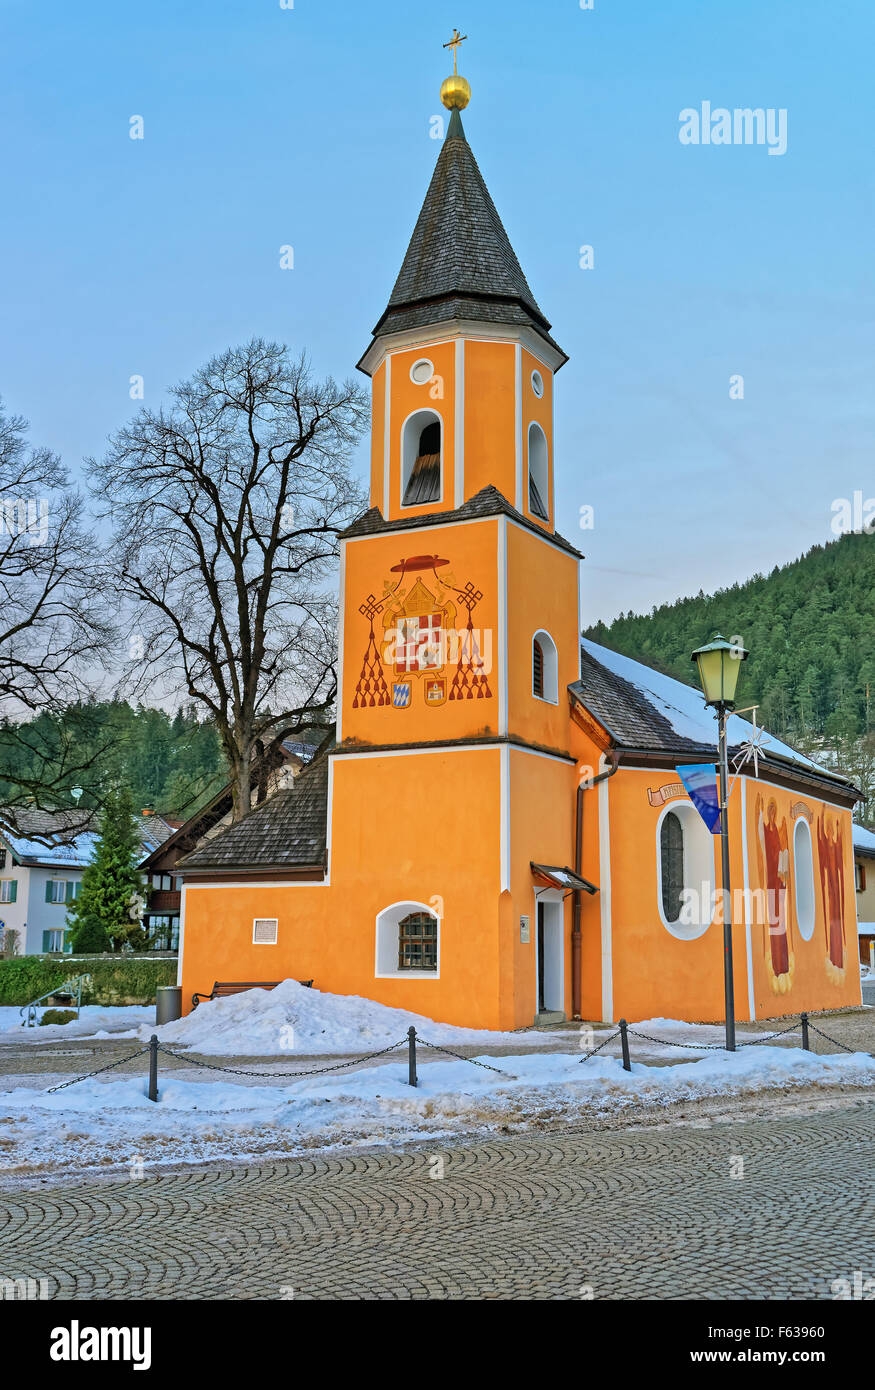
(624,1043)
(153,1067)
(411,1056)
(804,1021)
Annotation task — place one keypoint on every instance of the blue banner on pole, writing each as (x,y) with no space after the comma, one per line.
(700,780)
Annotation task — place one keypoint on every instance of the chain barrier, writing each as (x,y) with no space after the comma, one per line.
(97,1071)
(436,1047)
(587,1055)
(767,1037)
(812,1028)
(459,1058)
(664,1042)
(269,1075)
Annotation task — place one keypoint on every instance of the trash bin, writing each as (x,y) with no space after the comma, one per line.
(168,1003)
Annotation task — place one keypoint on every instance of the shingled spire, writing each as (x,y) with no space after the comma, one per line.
(460,263)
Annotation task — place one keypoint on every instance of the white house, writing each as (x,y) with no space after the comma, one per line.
(41,869)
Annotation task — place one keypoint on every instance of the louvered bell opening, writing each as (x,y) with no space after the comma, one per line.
(424,483)
(537,669)
(536,501)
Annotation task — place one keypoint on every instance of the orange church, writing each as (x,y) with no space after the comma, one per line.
(499,833)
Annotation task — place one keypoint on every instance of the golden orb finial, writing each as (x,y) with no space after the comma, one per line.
(455,90)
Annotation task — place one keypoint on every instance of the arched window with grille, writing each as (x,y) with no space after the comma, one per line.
(408,942)
(417,942)
(671,848)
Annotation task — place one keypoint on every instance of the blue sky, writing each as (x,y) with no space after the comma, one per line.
(310,127)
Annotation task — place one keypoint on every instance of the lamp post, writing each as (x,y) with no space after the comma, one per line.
(719,664)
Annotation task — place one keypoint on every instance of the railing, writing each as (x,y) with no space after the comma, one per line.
(70,987)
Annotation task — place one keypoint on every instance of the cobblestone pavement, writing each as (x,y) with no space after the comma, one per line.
(638,1214)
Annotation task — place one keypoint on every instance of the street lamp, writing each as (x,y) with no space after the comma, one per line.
(719,664)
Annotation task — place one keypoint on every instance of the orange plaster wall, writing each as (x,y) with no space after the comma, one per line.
(809,984)
(588,754)
(378,419)
(422,827)
(541,830)
(438,395)
(541,593)
(490,428)
(654,972)
(472,551)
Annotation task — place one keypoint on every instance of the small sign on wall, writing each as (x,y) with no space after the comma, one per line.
(524,931)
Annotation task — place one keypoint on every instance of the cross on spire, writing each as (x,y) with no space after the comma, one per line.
(454,45)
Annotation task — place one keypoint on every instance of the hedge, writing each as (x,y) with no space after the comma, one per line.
(114,979)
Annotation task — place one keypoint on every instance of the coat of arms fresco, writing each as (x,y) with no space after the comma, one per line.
(416,644)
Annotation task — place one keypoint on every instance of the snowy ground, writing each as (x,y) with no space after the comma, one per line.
(109,1123)
(94,1021)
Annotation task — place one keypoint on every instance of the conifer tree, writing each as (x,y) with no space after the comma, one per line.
(112,887)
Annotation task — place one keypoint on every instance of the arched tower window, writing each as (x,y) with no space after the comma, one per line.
(545,668)
(421,459)
(671,848)
(538,472)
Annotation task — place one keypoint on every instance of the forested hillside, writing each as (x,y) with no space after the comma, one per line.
(810,630)
(172,763)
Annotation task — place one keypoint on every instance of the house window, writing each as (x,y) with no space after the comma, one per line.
(860,877)
(545,668)
(56,890)
(53,940)
(8,890)
(417,942)
(671,848)
(538,473)
(264,931)
(421,459)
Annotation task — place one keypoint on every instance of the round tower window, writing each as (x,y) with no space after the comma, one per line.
(422,371)
(537,384)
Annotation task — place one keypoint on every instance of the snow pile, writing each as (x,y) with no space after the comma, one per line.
(295,1019)
(110,1121)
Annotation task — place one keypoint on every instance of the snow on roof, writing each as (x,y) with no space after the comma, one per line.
(864,839)
(71,840)
(685,709)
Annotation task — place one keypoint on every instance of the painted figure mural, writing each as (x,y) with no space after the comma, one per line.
(830,854)
(773,859)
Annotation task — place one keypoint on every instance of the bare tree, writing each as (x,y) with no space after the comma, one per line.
(226,509)
(53,631)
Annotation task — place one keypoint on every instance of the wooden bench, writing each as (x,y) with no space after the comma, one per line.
(222,988)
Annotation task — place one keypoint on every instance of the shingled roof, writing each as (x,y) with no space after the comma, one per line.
(485,503)
(460,263)
(288,831)
(645,710)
